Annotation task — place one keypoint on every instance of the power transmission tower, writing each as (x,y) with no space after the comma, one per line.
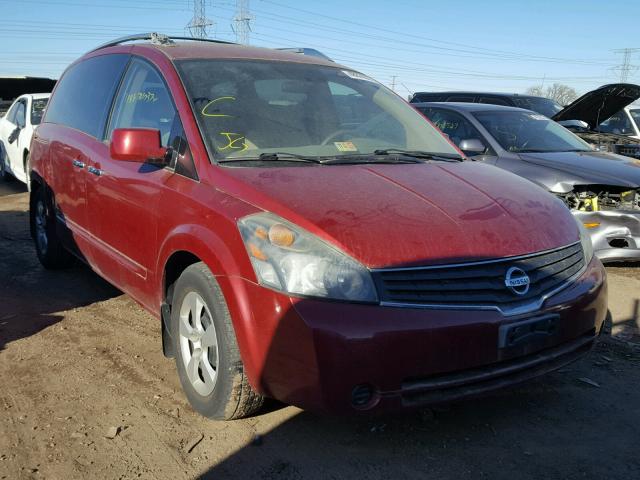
(393,82)
(199,24)
(626,67)
(242,22)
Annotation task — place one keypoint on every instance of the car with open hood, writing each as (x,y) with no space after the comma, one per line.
(302,233)
(602,189)
(601,118)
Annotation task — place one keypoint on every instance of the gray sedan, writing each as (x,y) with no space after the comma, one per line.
(601,189)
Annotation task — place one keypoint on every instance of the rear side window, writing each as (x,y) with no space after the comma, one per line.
(83,96)
(37,109)
(427,97)
(494,101)
(461,98)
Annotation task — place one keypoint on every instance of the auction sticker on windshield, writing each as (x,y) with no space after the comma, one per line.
(345,146)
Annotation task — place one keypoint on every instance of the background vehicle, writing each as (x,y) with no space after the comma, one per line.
(12,87)
(16,130)
(601,189)
(291,222)
(599,117)
(542,105)
(624,122)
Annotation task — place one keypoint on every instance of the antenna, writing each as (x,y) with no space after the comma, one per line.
(199,24)
(242,22)
(626,68)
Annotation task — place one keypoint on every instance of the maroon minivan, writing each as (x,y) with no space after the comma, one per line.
(303,233)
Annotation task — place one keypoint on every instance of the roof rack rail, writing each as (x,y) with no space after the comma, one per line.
(312,52)
(155,38)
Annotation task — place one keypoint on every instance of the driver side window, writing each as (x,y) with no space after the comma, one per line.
(19,115)
(143,102)
(453,125)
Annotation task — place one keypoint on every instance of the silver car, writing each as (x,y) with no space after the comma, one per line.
(601,189)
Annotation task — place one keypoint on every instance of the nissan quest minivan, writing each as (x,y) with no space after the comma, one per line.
(302,233)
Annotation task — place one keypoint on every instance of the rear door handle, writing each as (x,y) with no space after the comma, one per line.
(78,163)
(94,170)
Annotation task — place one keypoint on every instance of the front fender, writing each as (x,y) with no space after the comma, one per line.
(230,264)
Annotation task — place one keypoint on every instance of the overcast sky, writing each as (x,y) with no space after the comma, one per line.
(427,45)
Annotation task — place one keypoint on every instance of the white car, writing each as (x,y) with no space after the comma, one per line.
(16,130)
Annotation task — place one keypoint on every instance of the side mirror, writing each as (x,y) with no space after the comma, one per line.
(472,146)
(137,145)
(13,136)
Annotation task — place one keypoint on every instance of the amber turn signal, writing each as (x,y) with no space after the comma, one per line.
(591,224)
(281,235)
(256,252)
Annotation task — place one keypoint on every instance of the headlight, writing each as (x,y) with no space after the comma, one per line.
(291,260)
(585,240)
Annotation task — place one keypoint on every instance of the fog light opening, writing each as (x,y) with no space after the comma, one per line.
(619,243)
(363,396)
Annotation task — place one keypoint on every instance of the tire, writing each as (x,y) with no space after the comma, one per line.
(51,253)
(27,170)
(207,355)
(4,175)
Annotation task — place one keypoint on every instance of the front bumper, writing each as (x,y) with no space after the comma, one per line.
(617,237)
(313,353)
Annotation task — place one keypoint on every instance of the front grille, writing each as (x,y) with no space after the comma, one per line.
(480,284)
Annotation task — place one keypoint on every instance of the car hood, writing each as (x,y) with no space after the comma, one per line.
(596,106)
(412,214)
(590,167)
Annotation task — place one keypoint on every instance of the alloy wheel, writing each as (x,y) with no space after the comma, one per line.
(198,343)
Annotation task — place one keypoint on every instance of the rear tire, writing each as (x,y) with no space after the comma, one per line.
(207,355)
(51,253)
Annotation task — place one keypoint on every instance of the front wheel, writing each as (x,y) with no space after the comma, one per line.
(27,171)
(51,253)
(3,165)
(207,355)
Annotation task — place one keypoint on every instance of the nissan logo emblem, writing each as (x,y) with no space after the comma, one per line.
(517,281)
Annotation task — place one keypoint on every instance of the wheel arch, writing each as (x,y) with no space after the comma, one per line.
(189,244)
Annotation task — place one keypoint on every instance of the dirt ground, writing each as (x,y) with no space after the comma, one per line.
(78,358)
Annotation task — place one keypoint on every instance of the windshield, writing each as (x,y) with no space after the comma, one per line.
(37,109)
(248,108)
(545,106)
(635,114)
(618,124)
(519,131)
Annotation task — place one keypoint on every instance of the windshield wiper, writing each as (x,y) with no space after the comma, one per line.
(532,150)
(274,157)
(366,158)
(446,157)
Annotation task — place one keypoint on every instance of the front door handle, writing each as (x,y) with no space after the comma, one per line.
(95,171)
(78,163)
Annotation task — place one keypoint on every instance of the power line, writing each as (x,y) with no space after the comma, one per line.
(625,68)
(242,22)
(199,23)
(465,47)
